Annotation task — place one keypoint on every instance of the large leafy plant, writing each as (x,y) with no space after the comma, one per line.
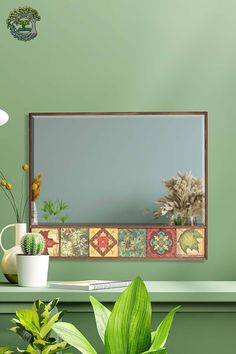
(124,330)
(34,326)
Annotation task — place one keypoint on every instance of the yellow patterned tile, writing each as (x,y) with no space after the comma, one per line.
(103,242)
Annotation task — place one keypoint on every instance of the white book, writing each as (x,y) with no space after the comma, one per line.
(90,284)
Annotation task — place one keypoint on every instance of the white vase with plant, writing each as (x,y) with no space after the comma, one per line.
(185,201)
(18,205)
(32,265)
(35,194)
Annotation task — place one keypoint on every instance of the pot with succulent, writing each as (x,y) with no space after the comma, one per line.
(19,208)
(32,265)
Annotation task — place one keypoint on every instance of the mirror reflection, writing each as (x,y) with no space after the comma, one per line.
(131,169)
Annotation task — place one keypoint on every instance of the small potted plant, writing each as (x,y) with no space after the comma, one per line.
(32,265)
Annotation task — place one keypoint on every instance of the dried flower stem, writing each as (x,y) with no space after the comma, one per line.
(6,187)
(13,206)
(12,199)
(185,199)
(21,195)
(23,210)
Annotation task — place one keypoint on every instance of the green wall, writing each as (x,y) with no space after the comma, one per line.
(129,55)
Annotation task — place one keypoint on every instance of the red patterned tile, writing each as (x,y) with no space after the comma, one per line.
(161,243)
(103,242)
(51,237)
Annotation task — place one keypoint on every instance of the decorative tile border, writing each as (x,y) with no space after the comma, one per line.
(161,243)
(52,240)
(132,243)
(103,242)
(74,242)
(190,243)
(151,243)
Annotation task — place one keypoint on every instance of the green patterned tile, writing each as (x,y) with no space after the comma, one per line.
(191,242)
(132,242)
(74,242)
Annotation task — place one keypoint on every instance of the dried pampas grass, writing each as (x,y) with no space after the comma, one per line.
(185,200)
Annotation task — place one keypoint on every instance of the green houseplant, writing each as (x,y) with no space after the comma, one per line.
(32,265)
(124,330)
(34,326)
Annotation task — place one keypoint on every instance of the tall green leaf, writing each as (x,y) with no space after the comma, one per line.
(55,348)
(49,309)
(158,351)
(102,315)
(6,350)
(21,331)
(35,317)
(52,304)
(74,337)
(43,311)
(45,329)
(128,329)
(162,332)
(29,350)
(39,308)
(26,319)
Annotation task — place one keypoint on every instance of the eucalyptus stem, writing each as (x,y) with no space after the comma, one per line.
(23,211)
(2,175)
(21,195)
(13,206)
(12,197)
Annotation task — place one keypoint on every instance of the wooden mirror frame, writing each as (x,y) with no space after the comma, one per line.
(54,234)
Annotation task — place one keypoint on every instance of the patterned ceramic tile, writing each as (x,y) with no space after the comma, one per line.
(190,242)
(132,242)
(103,242)
(51,237)
(74,242)
(161,243)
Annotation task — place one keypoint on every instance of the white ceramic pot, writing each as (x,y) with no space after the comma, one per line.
(32,270)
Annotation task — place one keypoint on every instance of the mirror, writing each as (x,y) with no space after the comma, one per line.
(111,168)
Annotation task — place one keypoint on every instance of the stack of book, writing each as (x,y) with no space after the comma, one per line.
(90,284)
